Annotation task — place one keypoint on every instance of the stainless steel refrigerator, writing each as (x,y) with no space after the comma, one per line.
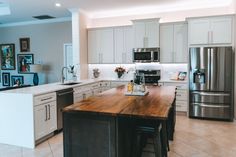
(211,82)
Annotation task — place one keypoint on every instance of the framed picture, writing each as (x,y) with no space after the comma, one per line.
(24,44)
(17,80)
(24,61)
(5,79)
(7,56)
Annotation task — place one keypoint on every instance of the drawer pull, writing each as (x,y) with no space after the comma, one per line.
(46,99)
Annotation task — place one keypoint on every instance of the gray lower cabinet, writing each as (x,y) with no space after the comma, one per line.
(89,135)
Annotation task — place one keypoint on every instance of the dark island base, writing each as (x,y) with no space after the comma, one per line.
(90,134)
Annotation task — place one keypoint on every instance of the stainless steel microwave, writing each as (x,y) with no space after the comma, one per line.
(145,55)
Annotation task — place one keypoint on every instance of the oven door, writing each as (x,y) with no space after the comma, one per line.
(142,56)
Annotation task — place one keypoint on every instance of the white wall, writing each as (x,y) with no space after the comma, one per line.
(107,70)
(46,43)
(165,17)
(83,46)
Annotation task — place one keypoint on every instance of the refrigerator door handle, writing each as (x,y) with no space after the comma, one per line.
(211,94)
(211,106)
(212,69)
(209,68)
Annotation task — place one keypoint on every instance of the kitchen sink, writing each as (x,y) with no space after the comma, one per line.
(71,83)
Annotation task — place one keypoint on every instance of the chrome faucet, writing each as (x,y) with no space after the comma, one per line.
(62,74)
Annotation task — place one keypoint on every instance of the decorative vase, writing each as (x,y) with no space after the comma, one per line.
(96,74)
(119,74)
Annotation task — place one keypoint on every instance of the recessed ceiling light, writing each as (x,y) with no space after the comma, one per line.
(58,4)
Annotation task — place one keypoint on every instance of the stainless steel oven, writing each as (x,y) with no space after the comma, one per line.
(145,55)
(150,76)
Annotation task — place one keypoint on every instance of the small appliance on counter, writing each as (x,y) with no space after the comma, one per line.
(150,76)
(211,83)
(146,55)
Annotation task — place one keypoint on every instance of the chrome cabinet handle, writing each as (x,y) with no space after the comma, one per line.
(46,99)
(49,112)
(211,94)
(46,115)
(212,106)
(61,94)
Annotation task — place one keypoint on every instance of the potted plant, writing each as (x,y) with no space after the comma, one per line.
(120,71)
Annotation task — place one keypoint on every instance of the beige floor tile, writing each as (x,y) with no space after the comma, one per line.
(42,150)
(173,154)
(10,151)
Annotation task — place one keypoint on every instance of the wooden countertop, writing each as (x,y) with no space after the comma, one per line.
(113,102)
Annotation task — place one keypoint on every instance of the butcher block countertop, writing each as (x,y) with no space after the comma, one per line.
(155,104)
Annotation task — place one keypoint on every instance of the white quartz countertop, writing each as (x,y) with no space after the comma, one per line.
(173,81)
(53,87)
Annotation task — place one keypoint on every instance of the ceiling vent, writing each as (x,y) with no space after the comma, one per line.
(4,9)
(43,17)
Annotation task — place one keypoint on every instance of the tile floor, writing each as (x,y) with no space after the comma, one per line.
(193,138)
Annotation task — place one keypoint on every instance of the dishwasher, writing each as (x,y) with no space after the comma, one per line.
(65,98)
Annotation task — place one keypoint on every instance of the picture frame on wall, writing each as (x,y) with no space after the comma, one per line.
(5,79)
(17,80)
(24,44)
(24,61)
(7,55)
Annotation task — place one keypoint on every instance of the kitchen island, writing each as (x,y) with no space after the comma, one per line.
(103,126)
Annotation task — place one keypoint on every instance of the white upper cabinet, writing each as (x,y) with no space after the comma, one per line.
(146,33)
(212,30)
(173,43)
(123,44)
(221,30)
(166,43)
(93,47)
(100,46)
(180,43)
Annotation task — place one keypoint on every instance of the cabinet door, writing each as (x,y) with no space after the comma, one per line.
(199,31)
(152,34)
(128,44)
(180,43)
(166,43)
(52,117)
(119,45)
(221,30)
(78,97)
(40,121)
(93,46)
(139,34)
(107,45)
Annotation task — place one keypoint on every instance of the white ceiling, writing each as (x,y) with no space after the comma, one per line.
(23,10)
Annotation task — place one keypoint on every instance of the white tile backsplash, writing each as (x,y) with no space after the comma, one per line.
(107,70)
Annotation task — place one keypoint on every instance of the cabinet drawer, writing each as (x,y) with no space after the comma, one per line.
(95,86)
(181,106)
(181,96)
(45,98)
(105,84)
(96,92)
(78,98)
(82,89)
(116,84)
(178,85)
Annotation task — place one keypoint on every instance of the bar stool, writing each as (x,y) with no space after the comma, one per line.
(141,132)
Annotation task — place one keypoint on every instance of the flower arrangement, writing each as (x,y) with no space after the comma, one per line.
(96,72)
(120,71)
